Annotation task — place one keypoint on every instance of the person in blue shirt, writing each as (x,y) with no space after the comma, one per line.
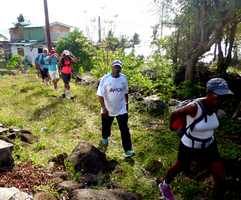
(53,68)
(42,61)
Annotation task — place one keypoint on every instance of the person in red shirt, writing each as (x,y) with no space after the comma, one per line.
(66,70)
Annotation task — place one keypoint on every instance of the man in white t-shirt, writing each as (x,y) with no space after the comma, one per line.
(113,96)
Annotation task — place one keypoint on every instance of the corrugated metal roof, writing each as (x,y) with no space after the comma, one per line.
(29,43)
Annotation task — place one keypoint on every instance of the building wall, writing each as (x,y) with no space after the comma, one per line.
(29,49)
(34,33)
(16,34)
(58,31)
(4,53)
(59,28)
(31,52)
(5,48)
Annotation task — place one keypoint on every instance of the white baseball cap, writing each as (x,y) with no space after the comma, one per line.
(117,63)
(66,52)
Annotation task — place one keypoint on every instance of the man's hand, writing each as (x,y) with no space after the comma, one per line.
(105,112)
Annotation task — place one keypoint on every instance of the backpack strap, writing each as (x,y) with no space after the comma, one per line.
(192,125)
(203,115)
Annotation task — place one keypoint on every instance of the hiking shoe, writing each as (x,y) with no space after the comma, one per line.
(105,141)
(103,144)
(166,191)
(129,154)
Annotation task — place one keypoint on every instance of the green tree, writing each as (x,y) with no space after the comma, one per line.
(112,42)
(199,24)
(135,40)
(124,42)
(81,47)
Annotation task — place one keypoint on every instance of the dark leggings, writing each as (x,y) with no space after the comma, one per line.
(123,126)
(209,157)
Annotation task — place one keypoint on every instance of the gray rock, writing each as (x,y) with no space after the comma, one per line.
(173,102)
(6,159)
(86,79)
(59,159)
(43,196)
(56,181)
(10,134)
(15,130)
(3,130)
(13,194)
(69,186)
(27,137)
(90,179)
(88,159)
(61,174)
(90,194)
(136,96)
(154,103)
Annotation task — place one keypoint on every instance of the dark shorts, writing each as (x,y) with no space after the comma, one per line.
(44,73)
(205,156)
(66,78)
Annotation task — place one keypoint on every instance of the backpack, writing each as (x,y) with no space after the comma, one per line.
(179,124)
(41,59)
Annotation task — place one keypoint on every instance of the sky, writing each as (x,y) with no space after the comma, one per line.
(124,17)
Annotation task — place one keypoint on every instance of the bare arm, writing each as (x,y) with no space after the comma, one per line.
(126,99)
(183,112)
(102,103)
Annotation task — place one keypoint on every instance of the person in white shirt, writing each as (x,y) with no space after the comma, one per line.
(113,96)
(198,143)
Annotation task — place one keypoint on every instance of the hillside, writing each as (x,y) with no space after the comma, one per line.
(61,123)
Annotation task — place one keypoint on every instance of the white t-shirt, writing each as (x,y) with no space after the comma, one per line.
(113,91)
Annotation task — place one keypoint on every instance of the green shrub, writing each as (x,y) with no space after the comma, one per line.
(188,89)
(15,62)
(80,46)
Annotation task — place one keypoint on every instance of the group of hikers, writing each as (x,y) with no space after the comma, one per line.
(197,141)
(50,67)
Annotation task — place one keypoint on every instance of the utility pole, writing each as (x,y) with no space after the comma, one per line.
(162,14)
(99,30)
(47,24)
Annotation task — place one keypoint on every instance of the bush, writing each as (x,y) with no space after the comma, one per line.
(188,89)
(162,80)
(134,68)
(15,62)
(80,46)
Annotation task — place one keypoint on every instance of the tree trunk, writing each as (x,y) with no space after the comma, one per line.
(175,56)
(215,53)
(189,70)
(223,62)
(199,51)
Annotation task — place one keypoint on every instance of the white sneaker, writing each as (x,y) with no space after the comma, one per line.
(68,94)
(166,191)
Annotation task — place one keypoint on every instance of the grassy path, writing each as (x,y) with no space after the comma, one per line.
(26,103)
